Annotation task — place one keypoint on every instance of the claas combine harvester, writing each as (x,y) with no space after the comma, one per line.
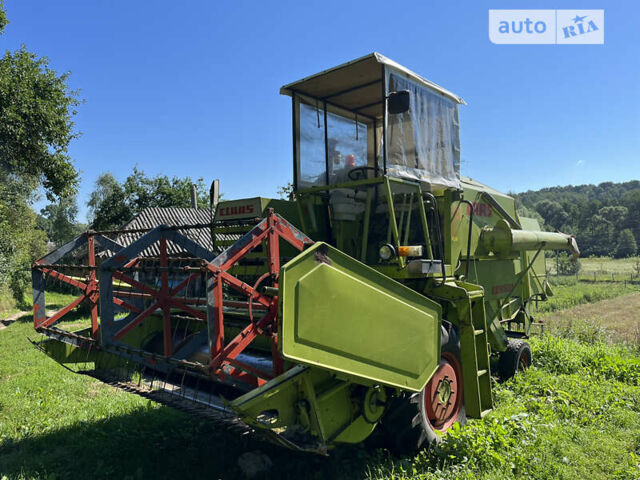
(380,297)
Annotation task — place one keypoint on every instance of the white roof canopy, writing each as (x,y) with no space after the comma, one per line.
(357,85)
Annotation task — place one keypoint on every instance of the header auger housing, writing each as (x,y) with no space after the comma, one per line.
(372,300)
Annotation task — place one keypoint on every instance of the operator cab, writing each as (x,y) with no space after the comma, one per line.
(373,141)
(372,117)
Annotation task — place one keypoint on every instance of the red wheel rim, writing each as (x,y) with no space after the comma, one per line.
(443,394)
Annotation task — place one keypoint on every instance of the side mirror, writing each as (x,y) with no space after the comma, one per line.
(398,102)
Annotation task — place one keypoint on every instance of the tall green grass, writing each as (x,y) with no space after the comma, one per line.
(569,292)
(574,415)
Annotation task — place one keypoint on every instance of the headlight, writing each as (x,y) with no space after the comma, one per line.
(387,252)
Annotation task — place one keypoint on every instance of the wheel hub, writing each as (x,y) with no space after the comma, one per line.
(443,394)
(444,391)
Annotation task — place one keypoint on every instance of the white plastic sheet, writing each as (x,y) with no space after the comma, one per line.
(424,143)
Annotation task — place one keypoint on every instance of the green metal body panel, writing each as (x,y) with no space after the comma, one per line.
(308,408)
(350,321)
(343,316)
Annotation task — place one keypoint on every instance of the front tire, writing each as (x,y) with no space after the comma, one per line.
(415,420)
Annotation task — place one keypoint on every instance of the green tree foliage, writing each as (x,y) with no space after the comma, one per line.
(142,191)
(553,213)
(20,241)
(286,191)
(36,108)
(567,264)
(595,214)
(58,220)
(626,245)
(111,203)
(3,18)
(36,127)
(107,204)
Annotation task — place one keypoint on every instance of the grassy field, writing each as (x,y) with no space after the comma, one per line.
(574,415)
(7,303)
(55,301)
(569,292)
(603,268)
(615,319)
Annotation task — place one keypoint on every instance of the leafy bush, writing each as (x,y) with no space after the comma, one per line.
(568,264)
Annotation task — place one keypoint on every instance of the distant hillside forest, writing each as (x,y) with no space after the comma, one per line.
(605,218)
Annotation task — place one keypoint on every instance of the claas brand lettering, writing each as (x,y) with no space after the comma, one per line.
(234,211)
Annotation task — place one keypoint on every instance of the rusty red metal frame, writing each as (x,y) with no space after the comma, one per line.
(90,289)
(225,361)
(164,299)
(224,354)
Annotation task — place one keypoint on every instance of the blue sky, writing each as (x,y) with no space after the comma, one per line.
(191,88)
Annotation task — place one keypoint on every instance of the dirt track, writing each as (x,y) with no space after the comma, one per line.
(620,315)
(4,323)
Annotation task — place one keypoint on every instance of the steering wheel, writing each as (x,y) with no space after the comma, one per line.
(359,170)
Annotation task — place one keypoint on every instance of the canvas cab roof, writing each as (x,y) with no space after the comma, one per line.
(358,85)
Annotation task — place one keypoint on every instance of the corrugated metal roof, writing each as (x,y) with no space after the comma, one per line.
(152,217)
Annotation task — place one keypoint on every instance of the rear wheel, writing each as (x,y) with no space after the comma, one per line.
(415,420)
(516,358)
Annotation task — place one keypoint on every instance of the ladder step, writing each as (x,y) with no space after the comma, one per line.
(482,372)
(478,332)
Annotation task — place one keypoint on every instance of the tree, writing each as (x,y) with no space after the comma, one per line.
(20,241)
(36,108)
(286,191)
(107,204)
(3,18)
(596,237)
(111,203)
(36,127)
(60,220)
(106,186)
(142,191)
(553,213)
(631,200)
(626,245)
(616,215)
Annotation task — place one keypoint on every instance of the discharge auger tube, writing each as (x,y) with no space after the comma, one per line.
(502,239)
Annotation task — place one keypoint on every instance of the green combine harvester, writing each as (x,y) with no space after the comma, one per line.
(379,299)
